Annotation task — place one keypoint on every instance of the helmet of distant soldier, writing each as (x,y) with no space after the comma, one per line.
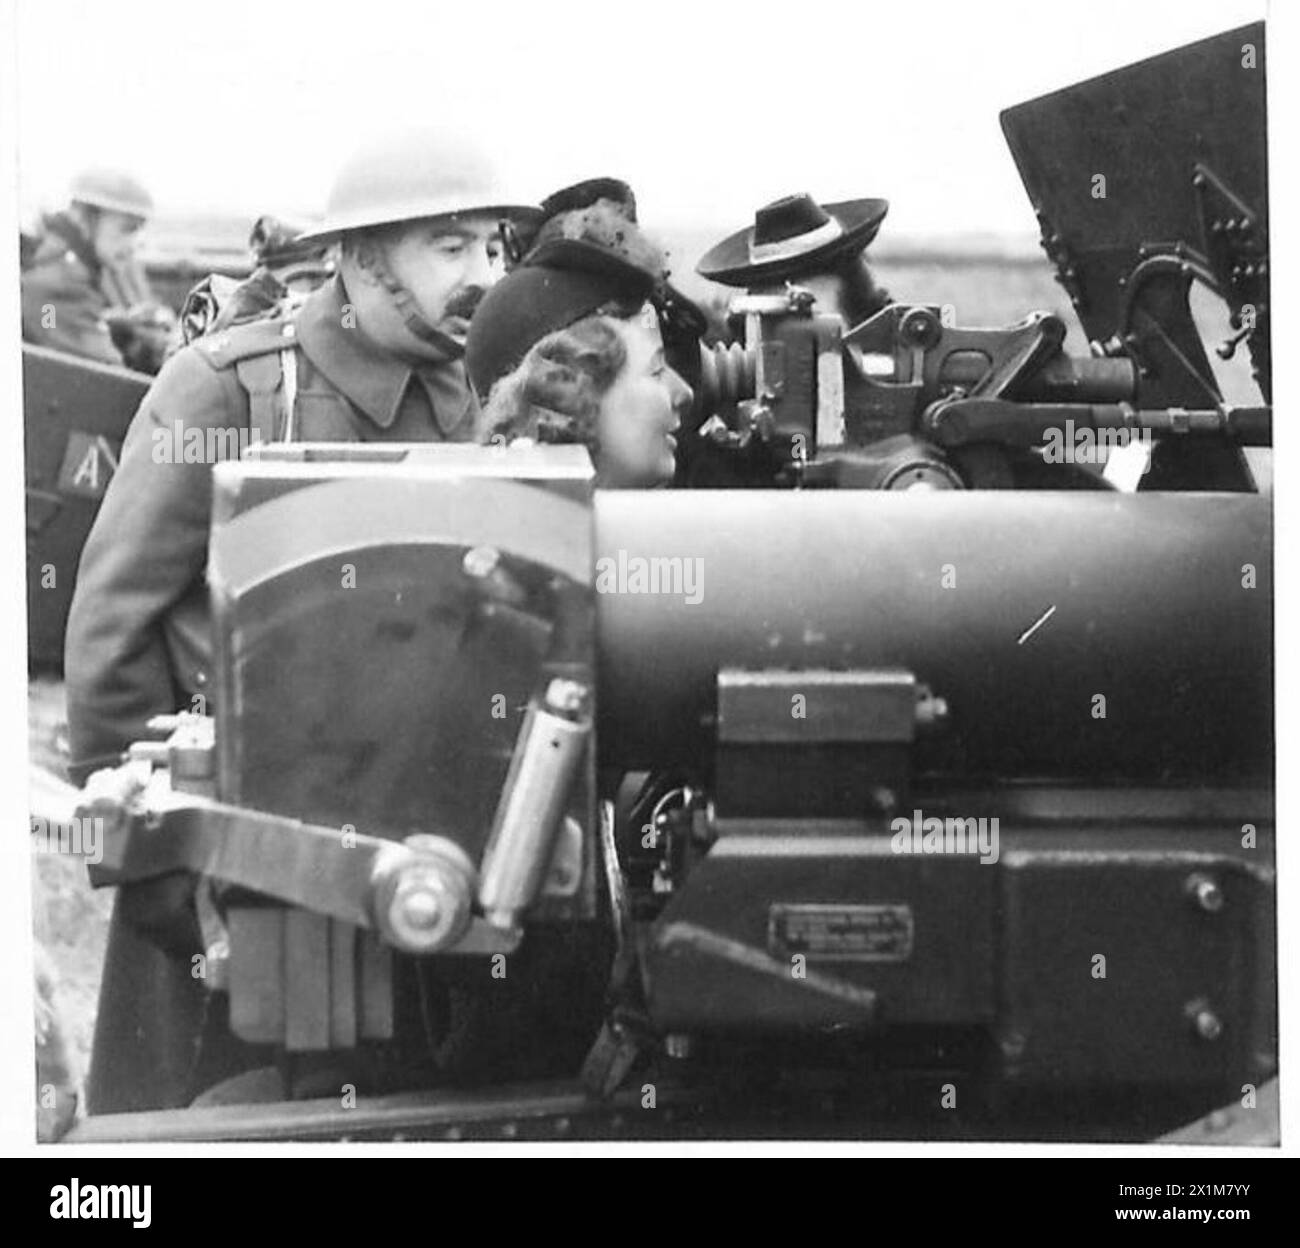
(111,190)
(412,175)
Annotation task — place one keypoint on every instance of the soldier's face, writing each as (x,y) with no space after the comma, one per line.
(640,412)
(448,263)
(115,237)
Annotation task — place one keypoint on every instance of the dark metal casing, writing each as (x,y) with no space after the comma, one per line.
(1105,663)
(382,618)
(75,416)
(1180,143)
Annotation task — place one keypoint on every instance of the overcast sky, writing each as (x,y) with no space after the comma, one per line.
(707,108)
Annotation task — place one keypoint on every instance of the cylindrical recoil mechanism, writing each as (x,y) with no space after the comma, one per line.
(546,760)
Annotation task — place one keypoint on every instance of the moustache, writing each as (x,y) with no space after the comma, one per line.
(464,303)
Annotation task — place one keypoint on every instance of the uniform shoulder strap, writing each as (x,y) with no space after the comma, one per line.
(225,348)
(262,353)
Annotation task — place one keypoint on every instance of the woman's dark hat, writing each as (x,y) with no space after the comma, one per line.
(583,194)
(791,236)
(555,287)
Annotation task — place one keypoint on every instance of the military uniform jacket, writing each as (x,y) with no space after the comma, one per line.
(64,297)
(138,640)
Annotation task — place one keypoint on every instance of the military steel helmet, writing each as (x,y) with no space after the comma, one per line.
(409,176)
(113,191)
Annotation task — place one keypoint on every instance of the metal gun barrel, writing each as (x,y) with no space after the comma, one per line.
(1020,610)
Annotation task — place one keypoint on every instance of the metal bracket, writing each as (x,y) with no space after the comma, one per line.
(863,706)
(397,889)
(843,739)
(1236,249)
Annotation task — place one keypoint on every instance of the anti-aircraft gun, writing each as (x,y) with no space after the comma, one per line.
(1147,183)
(803,811)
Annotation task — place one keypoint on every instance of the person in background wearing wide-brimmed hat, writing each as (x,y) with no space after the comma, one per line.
(568,347)
(819,247)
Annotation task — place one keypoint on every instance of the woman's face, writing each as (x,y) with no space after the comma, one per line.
(640,412)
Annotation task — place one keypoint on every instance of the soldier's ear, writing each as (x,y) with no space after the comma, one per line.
(363,257)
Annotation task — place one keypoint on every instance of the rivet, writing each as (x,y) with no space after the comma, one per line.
(1206,892)
(1208,1024)
(480,561)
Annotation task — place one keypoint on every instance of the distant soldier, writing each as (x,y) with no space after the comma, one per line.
(285,271)
(375,354)
(83,290)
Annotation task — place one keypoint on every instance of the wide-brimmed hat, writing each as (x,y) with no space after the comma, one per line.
(793,235)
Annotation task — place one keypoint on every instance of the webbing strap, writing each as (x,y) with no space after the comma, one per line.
(272,384)
(289,392)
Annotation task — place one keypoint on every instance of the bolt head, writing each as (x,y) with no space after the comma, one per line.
(1206,891)
(480,561)
(420,908)
(1208,1025)
(884,798)
(1013,1045)
(421,895)
(1210,896)
(566,695)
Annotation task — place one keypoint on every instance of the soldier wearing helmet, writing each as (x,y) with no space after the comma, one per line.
(82,290)
(374,354)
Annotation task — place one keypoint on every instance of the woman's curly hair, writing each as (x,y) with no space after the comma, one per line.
(554,394)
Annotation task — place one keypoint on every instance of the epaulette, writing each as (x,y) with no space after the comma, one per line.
(228,346)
